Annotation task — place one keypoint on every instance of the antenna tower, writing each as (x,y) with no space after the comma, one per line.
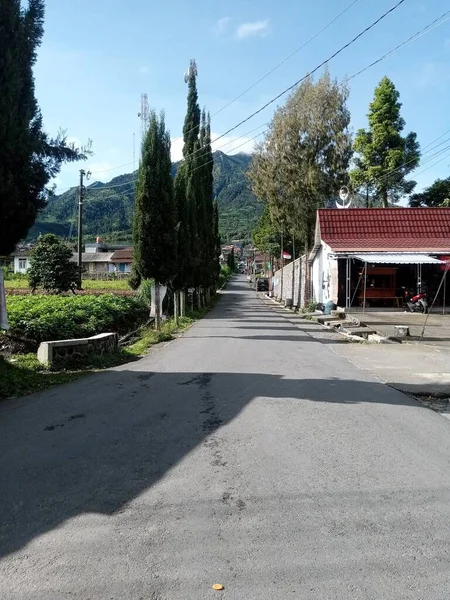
(144,115)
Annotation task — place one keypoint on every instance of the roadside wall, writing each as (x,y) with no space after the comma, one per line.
(294,287)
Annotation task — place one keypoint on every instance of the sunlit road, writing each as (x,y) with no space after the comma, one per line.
(244,453)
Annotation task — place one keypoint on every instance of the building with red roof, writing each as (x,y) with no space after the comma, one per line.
(389,241)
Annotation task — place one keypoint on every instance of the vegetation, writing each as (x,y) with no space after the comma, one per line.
(110,209)
(40,318)
(154,232)
(198,250)
(304,159)
(265,236)
(107,285)
(29,157)
(437,195)
(50,266)
(384,157)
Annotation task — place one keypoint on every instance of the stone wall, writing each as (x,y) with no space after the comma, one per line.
(59,352)
(294,283)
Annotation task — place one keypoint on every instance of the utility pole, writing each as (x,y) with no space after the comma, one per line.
(80,226)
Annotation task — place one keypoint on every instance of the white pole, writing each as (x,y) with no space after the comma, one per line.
(365,287)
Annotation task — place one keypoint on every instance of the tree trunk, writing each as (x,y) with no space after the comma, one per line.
(176,307)
(182,303)
(157,307)
(199,298)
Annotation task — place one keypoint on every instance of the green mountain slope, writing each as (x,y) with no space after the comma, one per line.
(108,207)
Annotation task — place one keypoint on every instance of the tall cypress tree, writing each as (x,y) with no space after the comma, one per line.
(29,158)
(211,219)
(154,239)
(186,189)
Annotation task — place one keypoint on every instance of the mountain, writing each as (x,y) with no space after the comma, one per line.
(108,207)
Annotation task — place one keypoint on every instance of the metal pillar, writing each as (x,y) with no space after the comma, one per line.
(365,287)
(419,279)
(347,282)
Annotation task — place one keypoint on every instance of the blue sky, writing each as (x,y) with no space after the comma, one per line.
(98,56)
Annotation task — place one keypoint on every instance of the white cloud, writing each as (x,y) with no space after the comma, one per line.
(227,145)
(222,25)
(102,171)
(255,28)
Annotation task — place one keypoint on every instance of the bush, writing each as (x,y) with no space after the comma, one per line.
(43,318)
(51,266)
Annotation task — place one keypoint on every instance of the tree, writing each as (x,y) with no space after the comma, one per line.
(384,157)
(438,194)
(231,261)
(50,265)
(154,238)
(29,158)
(305,156)
(197,220)
(265,236)
(185,188)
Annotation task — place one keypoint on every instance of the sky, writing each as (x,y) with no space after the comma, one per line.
(99,56)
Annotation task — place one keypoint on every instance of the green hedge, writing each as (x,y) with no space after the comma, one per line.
(43,318)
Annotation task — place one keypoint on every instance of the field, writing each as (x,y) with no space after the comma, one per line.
(38,318)
(109,285)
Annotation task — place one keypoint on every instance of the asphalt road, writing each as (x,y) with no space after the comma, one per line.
(245,453)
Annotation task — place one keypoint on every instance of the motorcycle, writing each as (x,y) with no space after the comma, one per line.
(416,302)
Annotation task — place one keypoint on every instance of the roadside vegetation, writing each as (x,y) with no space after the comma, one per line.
(36,318)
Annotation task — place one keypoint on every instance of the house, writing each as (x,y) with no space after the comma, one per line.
(21,258)
(377,251)
(95,263)
(121,260)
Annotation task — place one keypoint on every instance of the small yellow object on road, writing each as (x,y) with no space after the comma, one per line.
(218,586)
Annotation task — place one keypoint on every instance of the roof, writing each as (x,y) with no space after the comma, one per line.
(91,257)
(397,258)
(124,256)
(384,229)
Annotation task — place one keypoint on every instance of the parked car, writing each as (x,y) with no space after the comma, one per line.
(262,284)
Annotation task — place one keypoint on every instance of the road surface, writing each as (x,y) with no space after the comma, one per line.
(245,453)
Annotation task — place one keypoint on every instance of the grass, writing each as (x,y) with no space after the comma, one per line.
(88,284)
(24,374)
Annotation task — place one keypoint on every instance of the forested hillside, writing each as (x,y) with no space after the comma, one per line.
(108,208)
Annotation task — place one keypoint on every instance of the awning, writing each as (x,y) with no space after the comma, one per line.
(397,258)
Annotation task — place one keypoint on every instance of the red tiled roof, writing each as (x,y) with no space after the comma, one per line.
(123,256)
(386,229)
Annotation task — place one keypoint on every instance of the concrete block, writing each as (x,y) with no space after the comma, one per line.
(401,331)
(59,351)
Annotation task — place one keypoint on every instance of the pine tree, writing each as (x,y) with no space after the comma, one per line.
(154,237)
(383,156)
(29,159)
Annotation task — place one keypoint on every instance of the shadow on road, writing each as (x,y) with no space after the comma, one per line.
(94,446)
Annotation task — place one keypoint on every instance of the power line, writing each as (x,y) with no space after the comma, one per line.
(410,40)
(313,37)
(112,168)
(322,64)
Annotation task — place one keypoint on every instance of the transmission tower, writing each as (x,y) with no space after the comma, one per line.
(144,115)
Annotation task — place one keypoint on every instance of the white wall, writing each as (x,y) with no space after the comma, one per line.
(298,294)
(18,260)
(325,276)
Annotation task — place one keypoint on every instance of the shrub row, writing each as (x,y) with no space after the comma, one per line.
(42,318)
